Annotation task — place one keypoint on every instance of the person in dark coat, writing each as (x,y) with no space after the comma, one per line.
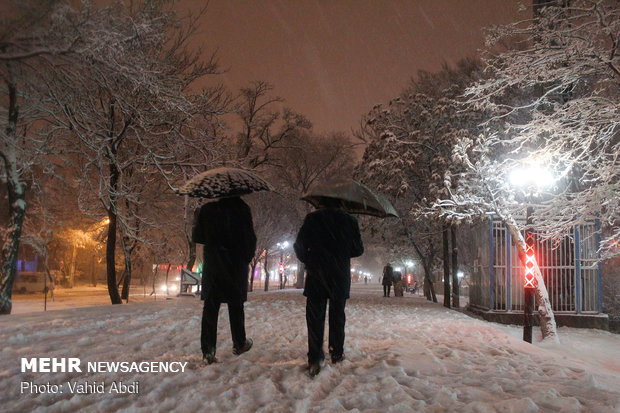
(398,284)
(226,230)
(388,277)
(326,242)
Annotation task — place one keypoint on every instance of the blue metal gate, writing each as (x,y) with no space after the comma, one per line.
(570,269)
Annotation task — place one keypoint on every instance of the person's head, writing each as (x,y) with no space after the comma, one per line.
(229,199)
(330,203)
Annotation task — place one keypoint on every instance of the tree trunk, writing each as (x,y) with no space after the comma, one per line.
(266,273)
(17,207)
(110,260)
(191,260)
(127,251)
(72,267)
(547,319)
(127,279)
(301,275)
(281,271)
(93,271)
(252,269)
(110,250)
(426,260)
(455,267)
(167,272)
(48,274)
(140,271)
(191,246)
(154,278)
(429,288)
(446,268)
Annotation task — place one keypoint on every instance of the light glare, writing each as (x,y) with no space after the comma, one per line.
(531,175)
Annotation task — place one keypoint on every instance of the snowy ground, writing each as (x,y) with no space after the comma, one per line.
(403,354)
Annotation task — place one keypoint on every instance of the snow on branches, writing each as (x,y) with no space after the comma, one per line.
(551,99)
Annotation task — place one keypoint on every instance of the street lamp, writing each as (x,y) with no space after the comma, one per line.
(282,246)
(531,178)
(408,264)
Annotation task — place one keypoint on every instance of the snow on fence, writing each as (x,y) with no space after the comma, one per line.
(570,269)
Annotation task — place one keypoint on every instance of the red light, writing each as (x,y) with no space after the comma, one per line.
(530,261)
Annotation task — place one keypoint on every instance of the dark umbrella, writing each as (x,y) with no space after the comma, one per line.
(352,196)
(223,183)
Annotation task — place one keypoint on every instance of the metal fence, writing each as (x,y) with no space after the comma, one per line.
(570,270)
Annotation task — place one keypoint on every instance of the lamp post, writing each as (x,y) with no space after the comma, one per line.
(531,178)
(282,246)
(408,264)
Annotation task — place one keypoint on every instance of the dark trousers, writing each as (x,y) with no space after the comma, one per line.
(315,320)
(386,290)
(210,312)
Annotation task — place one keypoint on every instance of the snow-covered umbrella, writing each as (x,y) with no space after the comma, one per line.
(352,196)
(224,182)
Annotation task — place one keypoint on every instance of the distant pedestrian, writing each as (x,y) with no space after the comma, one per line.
(365,279)
(398,284)
(388,278)
(226,230)
(327,240)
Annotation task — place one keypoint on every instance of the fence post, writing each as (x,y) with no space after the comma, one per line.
(577,270)
(599,266)
(491,266)
(508,272)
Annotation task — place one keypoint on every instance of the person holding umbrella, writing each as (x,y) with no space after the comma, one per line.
(226,230)
(327,240)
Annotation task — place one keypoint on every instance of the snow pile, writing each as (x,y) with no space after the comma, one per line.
(402,354)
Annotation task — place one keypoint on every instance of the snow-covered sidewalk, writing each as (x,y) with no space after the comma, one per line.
(402,354)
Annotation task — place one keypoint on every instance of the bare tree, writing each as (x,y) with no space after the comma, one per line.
(409,150)
(32,34)
(274,220)
(265,125)
(305,159)
(127,102)
(551,99)
(555,95)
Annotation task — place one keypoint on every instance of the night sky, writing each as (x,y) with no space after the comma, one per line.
(332,60)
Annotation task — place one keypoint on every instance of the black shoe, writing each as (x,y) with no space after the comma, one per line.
(247,346)
(337,358)
(209,357)
(314,369)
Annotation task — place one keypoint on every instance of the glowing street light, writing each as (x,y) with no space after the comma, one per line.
(408,264)
(282,246)
(530,178)
(532,175)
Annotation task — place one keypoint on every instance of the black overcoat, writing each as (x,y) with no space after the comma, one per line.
(388,275)
(327,240)
(226,230)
